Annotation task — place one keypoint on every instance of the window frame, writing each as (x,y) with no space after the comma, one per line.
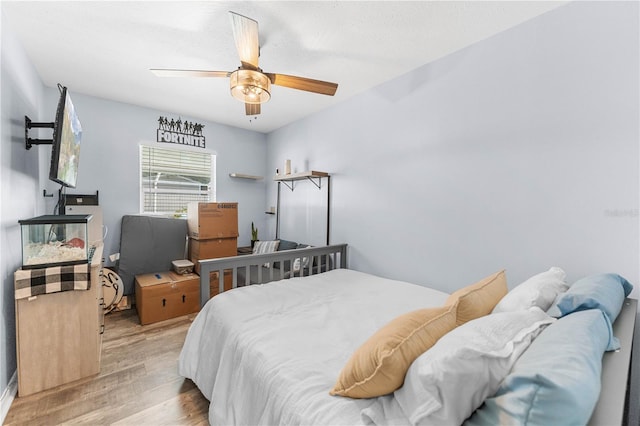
(141,187)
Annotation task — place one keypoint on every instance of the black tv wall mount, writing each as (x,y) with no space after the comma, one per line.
(28,124)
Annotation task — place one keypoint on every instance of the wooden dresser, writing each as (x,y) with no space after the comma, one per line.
(59,335)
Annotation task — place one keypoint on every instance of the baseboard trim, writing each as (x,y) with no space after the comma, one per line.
(8,396)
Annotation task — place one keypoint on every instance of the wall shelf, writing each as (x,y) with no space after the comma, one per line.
(301,175)
(314,177)
(244,176)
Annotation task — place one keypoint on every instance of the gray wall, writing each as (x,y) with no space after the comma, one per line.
(22,94)
(109,161)
(519,152)
(112,133)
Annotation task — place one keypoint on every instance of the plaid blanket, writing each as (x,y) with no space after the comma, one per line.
(32,282)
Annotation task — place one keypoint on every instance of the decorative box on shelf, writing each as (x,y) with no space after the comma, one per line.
(55,240)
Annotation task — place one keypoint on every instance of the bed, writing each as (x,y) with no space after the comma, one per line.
(311,349)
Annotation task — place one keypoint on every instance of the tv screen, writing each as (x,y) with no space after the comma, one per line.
(67,134)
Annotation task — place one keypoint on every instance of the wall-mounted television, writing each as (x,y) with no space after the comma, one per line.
(67,135)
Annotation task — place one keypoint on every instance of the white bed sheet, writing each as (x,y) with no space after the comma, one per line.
(269,354)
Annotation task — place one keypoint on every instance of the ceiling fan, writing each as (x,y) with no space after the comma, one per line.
(249,84)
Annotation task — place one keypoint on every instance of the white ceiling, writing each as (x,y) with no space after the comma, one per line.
(105,48)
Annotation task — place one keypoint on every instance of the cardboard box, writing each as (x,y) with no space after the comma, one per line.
(211,249)
(165,295)
(214,284)
(212,220)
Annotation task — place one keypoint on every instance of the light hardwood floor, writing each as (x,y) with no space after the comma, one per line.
(138,382)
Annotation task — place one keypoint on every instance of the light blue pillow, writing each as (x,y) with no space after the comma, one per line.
(557,380)
(604,291)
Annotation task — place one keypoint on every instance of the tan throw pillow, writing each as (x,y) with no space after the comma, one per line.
(479,299)
(378,366)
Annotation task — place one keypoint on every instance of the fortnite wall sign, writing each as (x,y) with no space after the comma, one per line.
(177,131)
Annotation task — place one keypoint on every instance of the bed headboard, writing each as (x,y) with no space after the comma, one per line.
(326,258)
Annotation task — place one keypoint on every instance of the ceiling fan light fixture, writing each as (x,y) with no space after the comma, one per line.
(250,87)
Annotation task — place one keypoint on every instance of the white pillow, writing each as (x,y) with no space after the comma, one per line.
(540,290)
(450,381)
(298,264)
(262,247)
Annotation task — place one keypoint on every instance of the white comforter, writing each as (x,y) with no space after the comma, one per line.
(269,354)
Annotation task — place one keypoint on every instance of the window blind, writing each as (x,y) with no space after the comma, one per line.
(171,178)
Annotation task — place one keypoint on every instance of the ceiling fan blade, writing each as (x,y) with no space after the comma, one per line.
(301,83)
(252,109)
(188,73)
(245,33)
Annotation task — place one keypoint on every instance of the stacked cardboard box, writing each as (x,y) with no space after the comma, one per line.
(213,233)
(211,249)
(214,284)
(212,220)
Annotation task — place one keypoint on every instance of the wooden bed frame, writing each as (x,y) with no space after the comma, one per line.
(616,366)
(333,256)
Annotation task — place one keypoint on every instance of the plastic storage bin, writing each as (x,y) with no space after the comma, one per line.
(55,240)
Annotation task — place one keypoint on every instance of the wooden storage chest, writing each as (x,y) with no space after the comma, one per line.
(214,283)
(165,295)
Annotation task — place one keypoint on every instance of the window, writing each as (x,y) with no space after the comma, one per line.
(171,178)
